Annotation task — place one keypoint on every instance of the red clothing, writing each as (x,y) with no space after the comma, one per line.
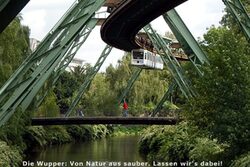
(125,106)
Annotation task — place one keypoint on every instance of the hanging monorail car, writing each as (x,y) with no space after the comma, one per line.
(146,59)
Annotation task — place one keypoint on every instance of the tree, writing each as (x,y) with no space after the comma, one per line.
(14,48)
(222,105)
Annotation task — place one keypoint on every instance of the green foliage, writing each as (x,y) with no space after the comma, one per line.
(178,144)
(100,100)
(206,150)
(222,105)
(100,131)
(9,156)
(85,132)
(35,137)
(228,19)
(14,47)
(147,90)
(67,86)
(243,161)
(126,130)
(57,135)
(79,133)
(49,108)
(13,131)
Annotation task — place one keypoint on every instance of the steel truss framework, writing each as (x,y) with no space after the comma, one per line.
(24,84)
(90,76)
(240,14)
(169,60)
(61,44)
(136,73)
(186,39)
(76,45)
(190,46)
(166,97)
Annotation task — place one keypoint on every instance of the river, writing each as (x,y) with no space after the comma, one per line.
(113,151)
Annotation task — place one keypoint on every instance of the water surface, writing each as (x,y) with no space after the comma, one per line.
(120,150)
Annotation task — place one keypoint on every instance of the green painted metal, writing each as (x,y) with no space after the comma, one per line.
(3,4)
(76,45)
(37,68)
(170,61)
(240,14)
(134,76)
(167,96)
(189,45)
(186,39)
(87,81)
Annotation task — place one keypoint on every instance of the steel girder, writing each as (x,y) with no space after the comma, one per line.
(240,14)
(135,75)
(166,96)
(75,46)
(189,45)
(90,76)
(24,84)
(186,39)
(170,61)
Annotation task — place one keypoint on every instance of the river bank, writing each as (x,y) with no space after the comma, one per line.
(18,139)
(38,138)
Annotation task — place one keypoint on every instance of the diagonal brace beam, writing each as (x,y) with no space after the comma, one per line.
(186,39)
(240,14)
(87,81)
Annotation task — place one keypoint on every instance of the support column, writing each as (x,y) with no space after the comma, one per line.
(24,84)
(76,45)
(90,76)
(169,60)
(135,75)
(186,39)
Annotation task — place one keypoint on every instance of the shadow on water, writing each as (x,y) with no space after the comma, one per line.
(114,149)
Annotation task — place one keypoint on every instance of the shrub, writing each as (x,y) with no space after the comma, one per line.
(206,150)
(57,135)
(35,136)
(9,156)
(243,161)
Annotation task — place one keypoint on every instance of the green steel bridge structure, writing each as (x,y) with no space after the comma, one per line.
(62,42)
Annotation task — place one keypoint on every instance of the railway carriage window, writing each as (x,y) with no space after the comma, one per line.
(137,55)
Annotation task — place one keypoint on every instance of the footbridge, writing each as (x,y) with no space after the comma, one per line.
(29,83)
(104,120)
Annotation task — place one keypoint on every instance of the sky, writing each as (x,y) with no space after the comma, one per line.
(42,15)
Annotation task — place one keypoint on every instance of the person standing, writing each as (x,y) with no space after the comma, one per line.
(125,109)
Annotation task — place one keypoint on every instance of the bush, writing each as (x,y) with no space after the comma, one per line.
(35,137)
(243,161)
(206,150)
(178,143)
(9,156)
(57,135)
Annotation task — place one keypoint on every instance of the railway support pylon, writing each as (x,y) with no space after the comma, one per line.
(27,80)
